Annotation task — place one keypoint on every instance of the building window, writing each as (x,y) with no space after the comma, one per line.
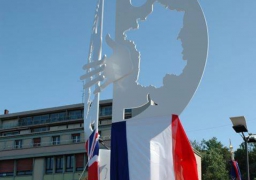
(76,138)
(58,116)
(105,122)
(18,144)
(36,142)
(75,114)
(55,140)
(69,163)
(25,121)
(6,168)
(25,166)
(49,165)
(128,114)
(59,164)
(106,111)
(41,129)
(41,119)
(79,162)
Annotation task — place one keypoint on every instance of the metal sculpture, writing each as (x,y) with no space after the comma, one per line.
(151,107)
(123,66)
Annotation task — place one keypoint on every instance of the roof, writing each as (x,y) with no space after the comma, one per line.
(52,109)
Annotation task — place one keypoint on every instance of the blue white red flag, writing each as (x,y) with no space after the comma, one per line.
(92,149)
(235,171)
(155,148)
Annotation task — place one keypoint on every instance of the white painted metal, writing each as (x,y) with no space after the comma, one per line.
(93,75)
(238,121)
(104,164)
(122,67)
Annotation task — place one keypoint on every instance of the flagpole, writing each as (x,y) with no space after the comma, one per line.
(231,151)
(95,54)
(91,107)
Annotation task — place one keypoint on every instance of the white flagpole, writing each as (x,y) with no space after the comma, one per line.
(91,107)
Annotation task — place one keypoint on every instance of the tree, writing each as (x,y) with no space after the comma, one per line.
(240,156)
(213,166)
(215,159)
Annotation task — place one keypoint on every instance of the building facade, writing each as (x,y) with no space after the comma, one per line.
(48,144)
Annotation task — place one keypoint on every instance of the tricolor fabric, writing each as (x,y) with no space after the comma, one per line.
(155,148)
(92,149)
(235,171)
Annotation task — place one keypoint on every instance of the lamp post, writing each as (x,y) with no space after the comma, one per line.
(239,125)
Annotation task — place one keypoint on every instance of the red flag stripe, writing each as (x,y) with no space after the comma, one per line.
(185,167)
(93,173)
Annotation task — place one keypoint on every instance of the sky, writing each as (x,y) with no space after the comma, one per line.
(44,44)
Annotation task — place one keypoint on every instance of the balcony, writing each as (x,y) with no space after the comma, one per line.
(25,123)
(50,120)
(38,145)
(45,148)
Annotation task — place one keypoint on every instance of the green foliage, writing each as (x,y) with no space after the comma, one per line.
(196,145)
(214,166)
(215,159)
(240,156)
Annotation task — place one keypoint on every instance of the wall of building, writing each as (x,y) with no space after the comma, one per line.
(38,168)
(64,129)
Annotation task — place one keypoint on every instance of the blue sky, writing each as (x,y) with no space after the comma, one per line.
(44,44)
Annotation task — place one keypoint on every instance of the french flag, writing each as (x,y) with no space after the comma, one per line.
(155,148)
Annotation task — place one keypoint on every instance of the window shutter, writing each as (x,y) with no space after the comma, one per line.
(25,164)
(36,142)
(6,166)
(79,160)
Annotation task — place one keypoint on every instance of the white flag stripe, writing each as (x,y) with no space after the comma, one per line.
(152,159)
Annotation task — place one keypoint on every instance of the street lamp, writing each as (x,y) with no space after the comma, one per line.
(239,125)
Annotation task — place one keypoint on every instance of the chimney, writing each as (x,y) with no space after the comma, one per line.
(6,111)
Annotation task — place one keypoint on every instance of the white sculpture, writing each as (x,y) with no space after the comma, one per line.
(123,66)
(141,147)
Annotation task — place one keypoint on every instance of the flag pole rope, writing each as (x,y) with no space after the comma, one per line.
(83,171)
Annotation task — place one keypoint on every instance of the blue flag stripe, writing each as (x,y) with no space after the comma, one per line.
(119,167)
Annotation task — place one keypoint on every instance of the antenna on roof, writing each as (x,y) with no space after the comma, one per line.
(82,91)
